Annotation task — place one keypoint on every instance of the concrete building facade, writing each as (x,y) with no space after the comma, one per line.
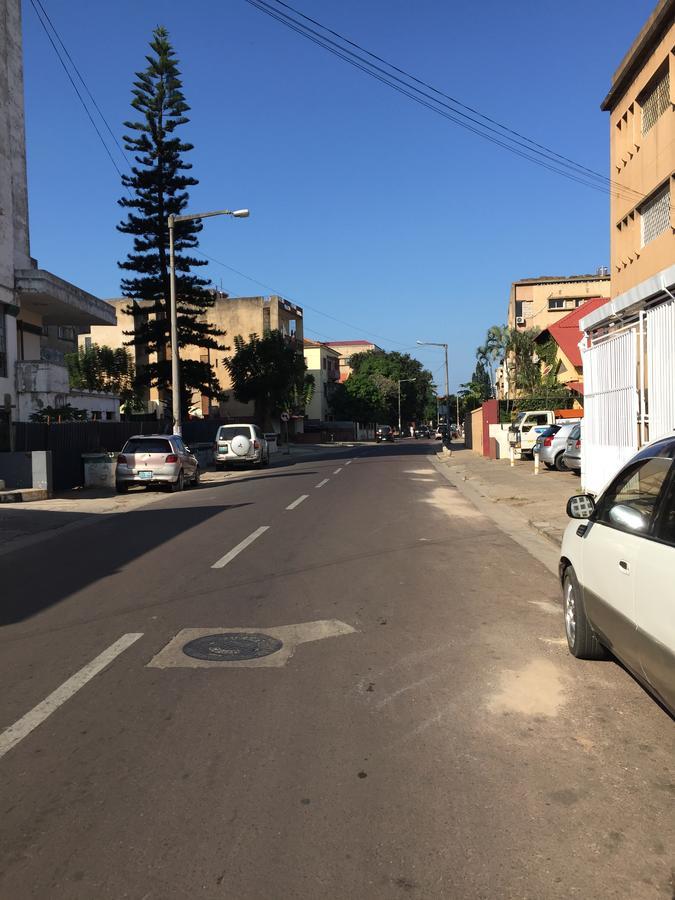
(347,349)
(31,299)
(541,302)
(323,364)
(641,107)
(629,350)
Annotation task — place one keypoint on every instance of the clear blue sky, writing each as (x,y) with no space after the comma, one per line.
(364,205)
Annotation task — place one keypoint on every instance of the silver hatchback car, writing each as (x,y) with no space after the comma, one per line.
(572,456)
(240,444)
(552,444)
(156,459)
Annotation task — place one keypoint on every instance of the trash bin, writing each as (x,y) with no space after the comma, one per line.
(99,470)
(271,438)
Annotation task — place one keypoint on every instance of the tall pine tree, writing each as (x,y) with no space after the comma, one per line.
(158,188)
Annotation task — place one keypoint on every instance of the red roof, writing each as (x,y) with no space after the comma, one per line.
(566,332)
(577,386)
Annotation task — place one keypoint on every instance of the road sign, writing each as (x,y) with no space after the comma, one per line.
(285,417)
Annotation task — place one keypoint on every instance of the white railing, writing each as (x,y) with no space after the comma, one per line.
(610,424)
(661,369)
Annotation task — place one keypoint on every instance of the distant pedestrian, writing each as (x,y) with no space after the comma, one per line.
(412,431)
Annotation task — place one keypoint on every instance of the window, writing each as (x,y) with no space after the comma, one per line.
(87,343)
(666,526)
(109,416)
(630,502)
(655,214)
(655,99)
(228,432)
(3,343)
(147,445)
(96,415)
(556,303)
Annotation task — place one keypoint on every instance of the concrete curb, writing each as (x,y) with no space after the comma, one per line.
(24,495)
(543,547)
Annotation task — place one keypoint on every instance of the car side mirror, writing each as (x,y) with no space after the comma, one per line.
(626,517)
(581,506)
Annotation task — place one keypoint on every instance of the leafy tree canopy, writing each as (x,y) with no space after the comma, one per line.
(370,394)
(269,372)
(105,369)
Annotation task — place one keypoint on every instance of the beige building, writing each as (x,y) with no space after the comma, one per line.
(347,349)
(629,350)
(541,302)
(642,153)
(323,363)
(234,316)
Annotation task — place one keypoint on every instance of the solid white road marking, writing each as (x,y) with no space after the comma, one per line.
(298,501)
(321,483)
(337,471)
(11,736)
(235,551)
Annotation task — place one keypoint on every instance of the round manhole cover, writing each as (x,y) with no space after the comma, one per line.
(233,647)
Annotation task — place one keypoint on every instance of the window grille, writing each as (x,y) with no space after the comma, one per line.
(655,215)
(655,101)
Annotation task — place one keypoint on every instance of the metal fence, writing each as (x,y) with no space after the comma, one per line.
(660,361)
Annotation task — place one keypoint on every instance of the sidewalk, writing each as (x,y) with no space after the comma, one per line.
(539,500)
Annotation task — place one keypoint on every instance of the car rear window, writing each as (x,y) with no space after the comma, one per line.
(551,430)
(147,445)
(227,432)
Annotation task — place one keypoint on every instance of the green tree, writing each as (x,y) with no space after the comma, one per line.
(269,372)
(382,370)
(105,369)
(479,388)
(157,188)
(65,413)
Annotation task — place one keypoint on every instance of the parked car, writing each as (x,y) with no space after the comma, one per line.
(441,433)
(551,445)
(240,445)
(384,433)
(156,459)
(572,455)
(616,570)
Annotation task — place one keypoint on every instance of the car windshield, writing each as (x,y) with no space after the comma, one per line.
(227,432)
(147,445)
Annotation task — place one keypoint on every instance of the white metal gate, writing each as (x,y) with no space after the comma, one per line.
(610,424)
(661,369)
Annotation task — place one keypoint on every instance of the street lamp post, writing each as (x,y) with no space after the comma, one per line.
(400,382)
(447,383)
(175,368)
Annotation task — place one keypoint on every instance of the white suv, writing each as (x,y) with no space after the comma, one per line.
(617,568)
(240,444)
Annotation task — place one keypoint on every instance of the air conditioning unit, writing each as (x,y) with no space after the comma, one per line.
(520,320)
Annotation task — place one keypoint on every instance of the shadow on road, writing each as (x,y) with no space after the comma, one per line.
(33,579)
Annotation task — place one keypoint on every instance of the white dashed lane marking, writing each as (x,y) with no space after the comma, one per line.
(11,736)
(337,471)
(298,501)
(235,551)
(321,483)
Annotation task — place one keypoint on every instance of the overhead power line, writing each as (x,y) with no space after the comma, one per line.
(442,103)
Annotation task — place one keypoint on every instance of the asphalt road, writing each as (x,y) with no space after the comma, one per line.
(430,738)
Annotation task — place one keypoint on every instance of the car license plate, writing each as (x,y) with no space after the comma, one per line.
(145,475)
(222,448)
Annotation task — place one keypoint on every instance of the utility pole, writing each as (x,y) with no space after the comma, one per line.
(400,382)
(447,383)
(175,361)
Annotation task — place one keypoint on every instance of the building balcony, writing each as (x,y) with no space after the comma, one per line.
(58,302)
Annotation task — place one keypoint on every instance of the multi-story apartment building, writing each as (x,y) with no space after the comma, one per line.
(347,349)
(32,300)
(541,302)
(630,341)
(323,364)
(640,104)
(233,316)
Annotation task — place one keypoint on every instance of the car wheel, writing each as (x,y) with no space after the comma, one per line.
(121,488)
(581,640)
(549,465)
(560,462)
(178,484)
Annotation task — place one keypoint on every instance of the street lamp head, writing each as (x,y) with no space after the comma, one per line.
(241,214)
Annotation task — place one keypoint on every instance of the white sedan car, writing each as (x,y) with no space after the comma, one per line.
(617,570)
